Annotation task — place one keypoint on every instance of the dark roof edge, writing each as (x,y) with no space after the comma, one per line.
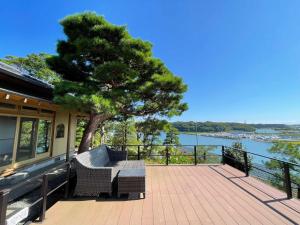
(12,71)
(25,95)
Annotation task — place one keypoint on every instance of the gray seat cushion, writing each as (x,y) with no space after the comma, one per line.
(94,158)
(132,173)
(134,164)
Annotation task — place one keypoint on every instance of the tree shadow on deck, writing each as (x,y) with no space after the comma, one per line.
(266,203)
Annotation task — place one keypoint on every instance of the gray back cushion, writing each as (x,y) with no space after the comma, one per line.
(97,157)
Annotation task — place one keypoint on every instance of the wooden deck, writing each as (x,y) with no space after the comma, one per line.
(185,195)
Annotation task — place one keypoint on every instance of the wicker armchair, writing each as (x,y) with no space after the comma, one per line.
(97,169)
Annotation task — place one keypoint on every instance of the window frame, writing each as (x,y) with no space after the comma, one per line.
(50,131)
(33,137)
(14,142)
(37,157)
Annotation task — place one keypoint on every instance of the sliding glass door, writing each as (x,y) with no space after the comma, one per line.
(27,139)
(44,136)
(7,137)
(24,138)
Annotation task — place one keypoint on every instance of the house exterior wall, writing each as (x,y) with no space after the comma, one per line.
(73,131)
(32,127)
(58,142)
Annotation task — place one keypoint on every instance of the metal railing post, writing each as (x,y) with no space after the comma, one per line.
(3,206)
(139,153)
(246,164)
(44,196)
(167,156)
(204,156)
(195,155)
(67,185)
(298,192)
(223,154)
(287,180)
(123,147)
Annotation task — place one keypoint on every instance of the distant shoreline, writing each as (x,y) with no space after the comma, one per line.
(267,138)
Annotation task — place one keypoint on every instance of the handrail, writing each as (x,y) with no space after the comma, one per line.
(244,165)
(232,148)
(163,145)
(267,157)
(4,194)
(286,167)
(34,178)
(45,193)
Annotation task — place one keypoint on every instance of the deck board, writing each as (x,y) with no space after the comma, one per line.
(216,194)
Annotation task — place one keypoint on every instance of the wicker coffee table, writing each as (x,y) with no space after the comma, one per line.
(131,181)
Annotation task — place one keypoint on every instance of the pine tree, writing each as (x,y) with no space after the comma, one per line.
(108,74)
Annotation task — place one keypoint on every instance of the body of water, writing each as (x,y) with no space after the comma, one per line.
(253,146)
(267,131)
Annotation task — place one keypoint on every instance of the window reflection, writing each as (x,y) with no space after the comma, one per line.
(27,138)
(7,136)
(44,136)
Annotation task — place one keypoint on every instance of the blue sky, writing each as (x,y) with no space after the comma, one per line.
(240,59)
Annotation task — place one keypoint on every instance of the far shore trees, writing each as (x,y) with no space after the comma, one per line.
(108,74)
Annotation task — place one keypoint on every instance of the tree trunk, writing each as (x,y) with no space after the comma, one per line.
(90,129)
(102,134)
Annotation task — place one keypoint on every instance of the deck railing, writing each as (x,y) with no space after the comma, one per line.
(45,192)
(282,173)
(195,154)
(187,151)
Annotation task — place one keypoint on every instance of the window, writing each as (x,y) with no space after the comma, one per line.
(34,138)
(44,136)
(60,131)
(27,139)
(7,136)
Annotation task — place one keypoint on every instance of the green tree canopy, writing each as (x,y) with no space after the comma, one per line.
(289,152)
(148,132)
(124,133)
(172,137)
(109,74)
(35,65)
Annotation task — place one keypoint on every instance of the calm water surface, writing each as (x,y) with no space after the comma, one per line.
(250,145)
(267,131)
